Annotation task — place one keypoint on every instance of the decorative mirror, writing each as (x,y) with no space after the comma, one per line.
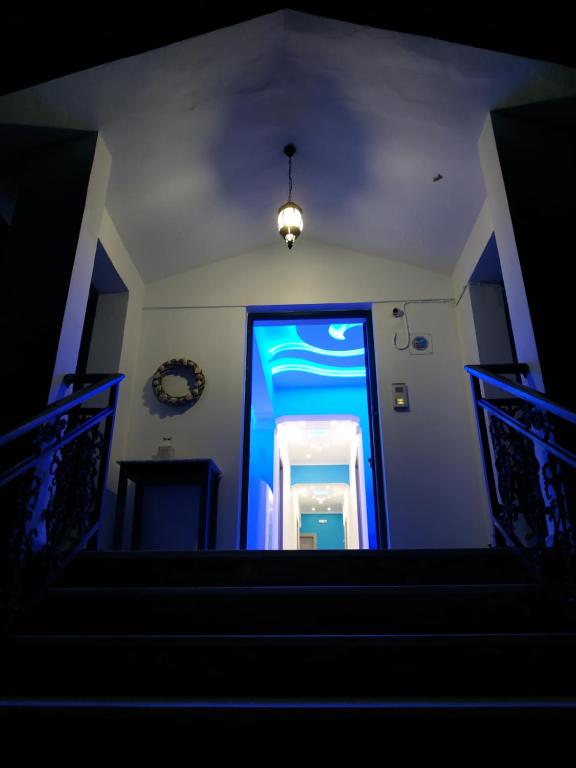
(186,369)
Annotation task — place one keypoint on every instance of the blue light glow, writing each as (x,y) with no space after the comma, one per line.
(301,369)
(338,330)
(288,704)
(299,366)
(305,347)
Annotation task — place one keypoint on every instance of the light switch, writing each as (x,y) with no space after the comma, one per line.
(400,397)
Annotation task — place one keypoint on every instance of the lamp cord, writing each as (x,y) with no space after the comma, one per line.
(289,179)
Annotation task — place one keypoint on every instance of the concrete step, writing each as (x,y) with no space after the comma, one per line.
(297,609)
(187,711)
(253,568)
(245,638)
(495,666)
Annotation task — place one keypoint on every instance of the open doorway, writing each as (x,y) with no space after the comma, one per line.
(312,476)
(493,329)
(103,331)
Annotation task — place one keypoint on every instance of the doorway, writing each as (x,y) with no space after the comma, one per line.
(103,331)
(312,474)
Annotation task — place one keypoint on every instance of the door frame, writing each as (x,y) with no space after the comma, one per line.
(373,412)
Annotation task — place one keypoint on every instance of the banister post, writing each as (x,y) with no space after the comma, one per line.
(485,448)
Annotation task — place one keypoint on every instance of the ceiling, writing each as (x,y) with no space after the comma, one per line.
(196,132)
(310,353)
(318,441)
(321,497)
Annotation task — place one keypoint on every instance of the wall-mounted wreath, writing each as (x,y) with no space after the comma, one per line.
(170,367)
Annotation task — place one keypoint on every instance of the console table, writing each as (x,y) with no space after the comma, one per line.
(203,474)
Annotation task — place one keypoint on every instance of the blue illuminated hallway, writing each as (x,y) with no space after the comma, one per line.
(310,444)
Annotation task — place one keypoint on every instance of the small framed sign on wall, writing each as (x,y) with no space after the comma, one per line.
(420,344)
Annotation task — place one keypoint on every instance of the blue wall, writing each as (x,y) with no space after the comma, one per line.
(257,503)
(320,473)
(330,535)
(262,450)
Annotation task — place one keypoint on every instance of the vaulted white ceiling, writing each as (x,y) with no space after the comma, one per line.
(196,132)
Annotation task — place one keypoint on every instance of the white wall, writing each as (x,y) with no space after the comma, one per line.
(480,319)
(355,517)
(466,326)
(509,261)
(215,339)
(432,480)
(79,289)
(96,224)
(480,307)
(481,323)
(308,274)
(431,477)
(124,265)
(472,251)
(291,512)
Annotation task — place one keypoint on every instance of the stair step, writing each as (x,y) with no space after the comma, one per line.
(177,638)
(474,665)
(392,706)
(175,724)
(296,609)
(249,568)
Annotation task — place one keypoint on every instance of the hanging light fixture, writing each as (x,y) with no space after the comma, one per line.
(290,222)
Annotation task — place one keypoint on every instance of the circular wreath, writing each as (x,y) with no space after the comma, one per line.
(168,368)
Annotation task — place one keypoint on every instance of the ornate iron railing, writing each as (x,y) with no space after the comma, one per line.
(52,477)
(528,448)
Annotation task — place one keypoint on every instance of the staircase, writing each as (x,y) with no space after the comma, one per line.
(401,637)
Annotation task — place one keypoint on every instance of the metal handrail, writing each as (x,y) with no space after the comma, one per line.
(26,464)
(492,375)
(100,383)
(559,452)
(39,445)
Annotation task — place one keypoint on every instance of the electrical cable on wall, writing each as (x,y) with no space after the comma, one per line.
(396,312)
(462,292)
(328,307)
